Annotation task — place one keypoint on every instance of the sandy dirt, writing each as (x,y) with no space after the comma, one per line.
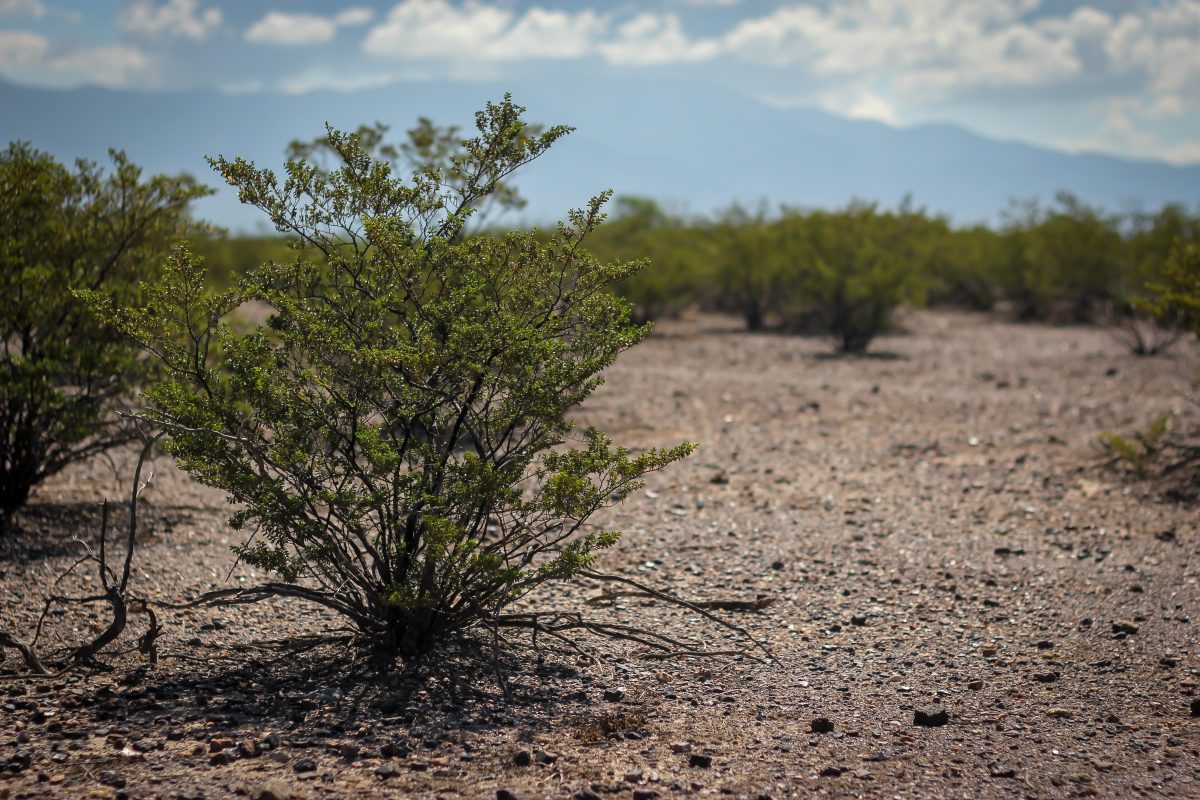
(936,527)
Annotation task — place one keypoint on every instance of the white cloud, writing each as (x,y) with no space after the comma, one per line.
(114,67)
(25,8)
(869,105)
(172,19)
(285,28)
(354,16)
(656,39)
(19,49)
(280,27)
(475,31)
(117,66)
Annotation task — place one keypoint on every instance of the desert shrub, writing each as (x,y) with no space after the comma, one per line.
(62,373)
(1143,448)
(753,264)
(853,268)
(679,257)
(1065,262)
(394,432)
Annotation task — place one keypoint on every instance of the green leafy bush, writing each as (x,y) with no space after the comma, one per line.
(394,432)
(61,373)
(854,268)
(1143,449)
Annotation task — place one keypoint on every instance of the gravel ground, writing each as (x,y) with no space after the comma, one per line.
(936,530)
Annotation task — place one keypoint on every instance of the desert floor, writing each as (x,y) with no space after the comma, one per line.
(935,527)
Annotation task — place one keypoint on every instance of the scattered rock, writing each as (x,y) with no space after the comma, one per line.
(522,758)
(1196,708)
(975,686)
(699,760)
(305,765)
(858,620)
(832,772)
(273,789)
(822,725)
(614,695)
(681,747)
(387,770)
(542,757)
(644,794)
(1058,712)
(505,794)
(1045,677)
(997,771)
(930,718)
(1124,626)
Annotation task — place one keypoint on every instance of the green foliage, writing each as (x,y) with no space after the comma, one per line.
(394,433)
(679,257)
(1143,449)
(855,266)
(1177,296)
(61,373)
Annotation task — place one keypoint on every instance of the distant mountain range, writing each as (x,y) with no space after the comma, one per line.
(694,151)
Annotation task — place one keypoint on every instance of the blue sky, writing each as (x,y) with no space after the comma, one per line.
(1102,76)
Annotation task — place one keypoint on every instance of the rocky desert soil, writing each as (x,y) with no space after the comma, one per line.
(963,596)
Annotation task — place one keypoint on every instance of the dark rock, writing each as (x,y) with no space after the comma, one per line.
(699,760)
(614,695)
(644,794)
(542,757)
(1045,677)
(822,725)
(832,772)
(387,770)
(394,750)
(505,794)
(858,620)
(305,765)
(998,771)
(1123,626)
(522,758)
(930,718)
(1196,708)
(1045,644)
(585,794)
(114,779)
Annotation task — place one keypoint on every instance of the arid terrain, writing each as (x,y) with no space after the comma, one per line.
(935,528)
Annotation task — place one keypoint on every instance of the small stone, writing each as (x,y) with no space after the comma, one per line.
(542,757)
(249,749)
(699,760)
(821,725)
(1058,712)
(305,765)
(975,686)
(681,747)
(931,718)
(1196,708)
(348,751)
(585,794)
(522,758)
(1124,626)
(1103,766)
(1045,677)
(273,789)
(614,695)
(393,750)
(505,794)
(56,778)
(1045,644)
(219,743)
(226,756)
(644,794)
(832,772)
(777,565)
(114,779)
(387,770)
(997,771)
(858,620)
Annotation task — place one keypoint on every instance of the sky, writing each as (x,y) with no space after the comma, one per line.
(1101,76)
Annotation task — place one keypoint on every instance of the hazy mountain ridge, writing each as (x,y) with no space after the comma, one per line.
(695,151)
